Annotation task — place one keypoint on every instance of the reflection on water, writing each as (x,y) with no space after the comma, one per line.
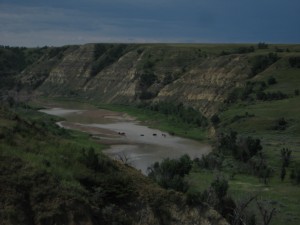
(142,145)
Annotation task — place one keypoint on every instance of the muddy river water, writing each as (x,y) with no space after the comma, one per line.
(127,137)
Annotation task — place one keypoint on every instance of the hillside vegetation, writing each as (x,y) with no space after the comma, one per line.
(244,97)
(52,176)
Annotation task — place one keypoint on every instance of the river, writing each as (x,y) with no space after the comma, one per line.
(128,138)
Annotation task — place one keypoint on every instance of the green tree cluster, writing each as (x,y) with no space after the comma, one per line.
(269,96)
(177,111)
(170,173)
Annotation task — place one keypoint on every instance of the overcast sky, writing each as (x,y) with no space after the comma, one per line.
(61,22)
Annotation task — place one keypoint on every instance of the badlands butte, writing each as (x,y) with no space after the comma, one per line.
(242,98)
(200,76)
(196,75)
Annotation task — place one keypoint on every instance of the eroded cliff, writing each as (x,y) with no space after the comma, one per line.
(135,73)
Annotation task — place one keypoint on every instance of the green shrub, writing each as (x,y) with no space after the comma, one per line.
(262,62)
(280,124)
(270,96)
(220,187)
(210,161)
(272,81)
(147,79)
(194,198)
(170,173)
(295,61)
(215,119)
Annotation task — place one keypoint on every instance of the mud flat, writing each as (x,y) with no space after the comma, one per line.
(128,138)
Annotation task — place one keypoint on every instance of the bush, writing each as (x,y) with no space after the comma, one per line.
(194,198)
(210,161)
(295,61)
(95,161)
(280,124)
(168,79)
(106,55)
(232,96)
(286,156)
(269,96)
(147,79)
(243,50)
(117,188)
(272,81)
(241,149)
(247,148)
(220,187)
(170,173)
(247,90)
(239,117)
(262,62)
(227,142)
(215,119)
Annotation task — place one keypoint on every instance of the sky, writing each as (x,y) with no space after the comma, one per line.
(32,23)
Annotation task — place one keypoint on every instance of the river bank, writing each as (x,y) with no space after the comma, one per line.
(128,138)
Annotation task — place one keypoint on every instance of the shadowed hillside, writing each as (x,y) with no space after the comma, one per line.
(52,176)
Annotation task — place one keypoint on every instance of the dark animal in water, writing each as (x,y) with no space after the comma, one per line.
(154,134)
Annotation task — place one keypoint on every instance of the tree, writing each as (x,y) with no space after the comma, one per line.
(283,173)
(286,157)
(265,174)
(91,159)
(262,45)
(247,148)
(265,212)
(227,142)
(215,119)
(170,173)
(220,187)
(239,211)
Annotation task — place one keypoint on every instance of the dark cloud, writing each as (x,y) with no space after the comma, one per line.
(43,22)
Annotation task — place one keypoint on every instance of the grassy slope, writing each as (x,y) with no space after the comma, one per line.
(32,147)
(284,196)
(47,178)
